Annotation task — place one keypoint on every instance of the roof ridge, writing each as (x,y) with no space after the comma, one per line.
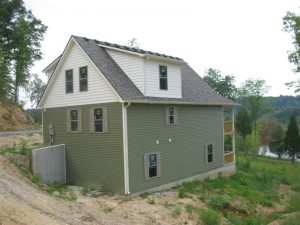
(132,49)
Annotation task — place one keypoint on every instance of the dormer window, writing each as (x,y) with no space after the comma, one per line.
(83,78)
(69,81)
(163,77)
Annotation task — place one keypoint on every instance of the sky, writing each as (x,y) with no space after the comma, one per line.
(243,38)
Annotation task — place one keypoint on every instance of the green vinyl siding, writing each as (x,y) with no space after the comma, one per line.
(181,158)
(93,159)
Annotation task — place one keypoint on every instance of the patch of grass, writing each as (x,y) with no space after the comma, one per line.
(63,190)
(291,220)
(218,202)
(181,193)
(151,201)
(35,179)
(108,209)
(7,150)
(176,212)
(189,209)
(210,217)
(293,203)
(168,205)
(88,218)
(144,195)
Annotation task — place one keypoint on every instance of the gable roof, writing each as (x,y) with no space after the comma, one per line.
(194,89)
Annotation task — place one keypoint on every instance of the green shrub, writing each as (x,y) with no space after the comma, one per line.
(189,209)
(210,217)
(218,202)
(181,193)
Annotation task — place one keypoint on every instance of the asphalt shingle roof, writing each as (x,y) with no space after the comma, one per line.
(194,89)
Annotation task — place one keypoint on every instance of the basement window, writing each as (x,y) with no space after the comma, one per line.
(83,78)
(209,154)
(152,165)
(69,81)
(163,77)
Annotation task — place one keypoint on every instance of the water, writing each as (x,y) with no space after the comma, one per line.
(265,151)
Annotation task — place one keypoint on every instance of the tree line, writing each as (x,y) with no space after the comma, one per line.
(250,121)
(21,34)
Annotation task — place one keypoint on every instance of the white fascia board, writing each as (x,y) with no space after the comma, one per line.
(51,65)
(122,50)
(177,103)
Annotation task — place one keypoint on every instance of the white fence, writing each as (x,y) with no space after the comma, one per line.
(50,163)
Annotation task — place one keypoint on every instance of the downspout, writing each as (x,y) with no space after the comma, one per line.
(125,147)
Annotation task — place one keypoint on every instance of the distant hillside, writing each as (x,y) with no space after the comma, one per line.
(12,117)
(283,107)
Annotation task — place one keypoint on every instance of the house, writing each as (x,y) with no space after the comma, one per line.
(134,120)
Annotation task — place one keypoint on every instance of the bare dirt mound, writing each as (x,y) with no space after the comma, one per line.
(12,117)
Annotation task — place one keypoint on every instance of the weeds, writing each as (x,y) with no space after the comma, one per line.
(210,217)
(293,203)
(292,220)
(144,195)
(151,201)
(108,210)
(218,202)
(176,212)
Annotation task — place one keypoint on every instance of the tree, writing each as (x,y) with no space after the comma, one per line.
(133,43)
(224,85)
(292,138)
(272,135)
(276,145)
(21,34)
(35,89)
(291,24)
(251,94)
(243,124)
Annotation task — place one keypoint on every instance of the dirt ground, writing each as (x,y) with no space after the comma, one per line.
(23,203)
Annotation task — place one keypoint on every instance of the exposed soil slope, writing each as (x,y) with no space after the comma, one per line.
(12,117)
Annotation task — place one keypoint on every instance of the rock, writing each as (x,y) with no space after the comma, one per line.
(94,194)
(163,194)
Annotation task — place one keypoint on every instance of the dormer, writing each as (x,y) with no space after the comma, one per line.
(154,74)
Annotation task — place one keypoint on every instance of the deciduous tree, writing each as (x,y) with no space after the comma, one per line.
(243,124)
(224,85)
(291,24)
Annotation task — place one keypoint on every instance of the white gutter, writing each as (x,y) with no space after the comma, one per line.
(181,103)
(125,147)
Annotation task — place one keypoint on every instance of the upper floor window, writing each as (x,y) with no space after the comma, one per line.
(163,77)
(83,78)
(69,81)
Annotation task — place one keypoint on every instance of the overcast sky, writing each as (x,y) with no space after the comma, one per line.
(243,38)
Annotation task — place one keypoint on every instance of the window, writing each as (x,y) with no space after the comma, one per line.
(209,153)
(74,120)
(163,78)
(152,165)
(171,115)
(83,79)
(98,120)
(69,81)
